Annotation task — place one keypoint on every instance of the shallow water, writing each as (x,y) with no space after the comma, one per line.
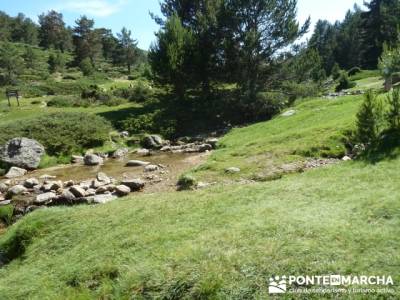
(175,165)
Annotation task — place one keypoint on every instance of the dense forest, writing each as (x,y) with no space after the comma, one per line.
(227,62)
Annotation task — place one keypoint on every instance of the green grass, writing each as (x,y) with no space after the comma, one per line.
(376,83)
(223,242)
(28,110)
(217,243)
(259,150)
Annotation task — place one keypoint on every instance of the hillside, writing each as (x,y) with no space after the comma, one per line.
(224,241)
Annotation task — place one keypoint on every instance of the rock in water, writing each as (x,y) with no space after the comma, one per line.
(143,152)
(120,153)
(137,163)
(15,172)
(151,168)
(92,160)
(22,152)
(152,142)
(102,177)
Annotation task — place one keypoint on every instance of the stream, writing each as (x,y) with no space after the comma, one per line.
(158,181)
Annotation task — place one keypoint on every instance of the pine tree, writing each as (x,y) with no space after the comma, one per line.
(393,116)
(128,47)
(367,120)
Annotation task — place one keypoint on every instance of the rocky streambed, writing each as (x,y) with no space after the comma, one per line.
(98,178)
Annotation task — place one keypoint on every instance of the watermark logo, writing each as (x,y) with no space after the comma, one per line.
(329,284)
(277,285)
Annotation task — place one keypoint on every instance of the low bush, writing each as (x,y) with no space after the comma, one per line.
(140,91)
(186,182)
(69,77)
(344,82)
(63,101)
(61,133)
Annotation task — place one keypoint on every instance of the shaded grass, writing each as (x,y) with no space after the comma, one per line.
(217,243)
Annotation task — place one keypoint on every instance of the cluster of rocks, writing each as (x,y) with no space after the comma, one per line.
(152,143)
(191,145)
(343,93)
(32,193)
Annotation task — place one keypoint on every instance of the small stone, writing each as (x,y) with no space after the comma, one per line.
(52,186)
(232,170)
(137,163)
(166,149)
(120,153)
(77,159)
(151,168)
(346,158)
(5,202)
(15,190)
(77,191)
(46,177)
(134,184)
(122,190)
(3,187)
(15,172)
(102,199)
(101,190)
(69,183)
(143,152)
(44,198)
(86,184)
(102,177)
(205,147)
(288,113)
(31,182)
(92,160)
(90,192)
(67,196)
(213,142)
(124,134)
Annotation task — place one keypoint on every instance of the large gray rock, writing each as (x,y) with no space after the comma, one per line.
(31,182)
(15,172)
(134,184)
(22,152)
(92,160)
(152,141)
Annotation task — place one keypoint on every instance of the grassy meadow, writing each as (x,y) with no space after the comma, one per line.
(224,241)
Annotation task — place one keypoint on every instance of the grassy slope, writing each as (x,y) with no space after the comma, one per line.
(260,150)
(221,242)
